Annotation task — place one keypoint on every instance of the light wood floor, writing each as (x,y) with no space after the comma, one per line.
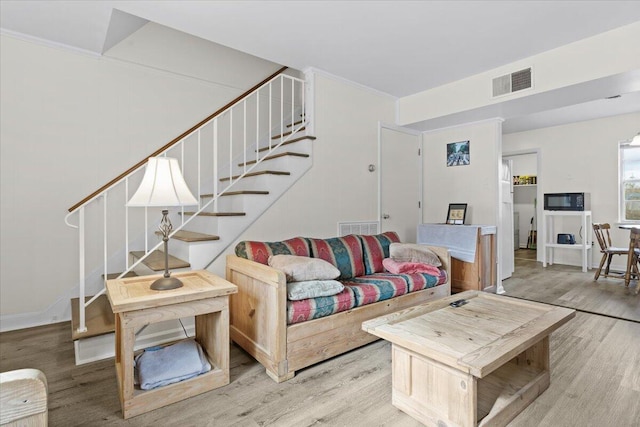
(525,254)
(568,286)
(595,381)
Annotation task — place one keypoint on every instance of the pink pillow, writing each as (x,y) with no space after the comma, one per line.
(397,267)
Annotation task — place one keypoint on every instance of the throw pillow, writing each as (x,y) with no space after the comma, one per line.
(297,291)
(376,248)
(299,268)
(410,252)
(261,251)
(345,253)
(398,267)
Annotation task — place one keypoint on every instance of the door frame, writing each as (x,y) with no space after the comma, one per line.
(413,132)
(502,232)
(539,194)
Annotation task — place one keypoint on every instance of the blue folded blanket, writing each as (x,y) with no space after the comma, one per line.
(158,366)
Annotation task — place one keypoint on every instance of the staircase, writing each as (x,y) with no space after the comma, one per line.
(239,161)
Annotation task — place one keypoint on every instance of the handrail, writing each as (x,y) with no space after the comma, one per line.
(173,142)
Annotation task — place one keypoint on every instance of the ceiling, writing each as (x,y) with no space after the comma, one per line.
(395,47)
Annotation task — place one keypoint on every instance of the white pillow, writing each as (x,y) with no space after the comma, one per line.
(302,268)
(313,288)
(411,252)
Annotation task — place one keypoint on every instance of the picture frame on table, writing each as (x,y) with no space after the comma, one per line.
(457,213)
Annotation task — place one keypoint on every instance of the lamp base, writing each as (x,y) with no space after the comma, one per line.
(166,283)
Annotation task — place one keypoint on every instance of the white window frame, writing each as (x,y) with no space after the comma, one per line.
(624,145)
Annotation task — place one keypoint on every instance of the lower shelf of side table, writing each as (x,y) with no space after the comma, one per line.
(204,296)
(147,400)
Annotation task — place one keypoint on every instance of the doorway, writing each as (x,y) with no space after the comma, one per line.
(400,181)
(527,193)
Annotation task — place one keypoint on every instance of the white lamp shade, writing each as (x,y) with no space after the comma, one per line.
(636,139)
(163,185)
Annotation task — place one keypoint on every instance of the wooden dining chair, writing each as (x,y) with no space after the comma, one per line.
(601,230)
(633,257)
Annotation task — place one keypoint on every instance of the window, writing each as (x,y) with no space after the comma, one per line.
(629,171)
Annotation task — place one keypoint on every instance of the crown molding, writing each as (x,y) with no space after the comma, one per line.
(48,43)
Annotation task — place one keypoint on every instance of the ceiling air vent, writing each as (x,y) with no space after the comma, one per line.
(513,82)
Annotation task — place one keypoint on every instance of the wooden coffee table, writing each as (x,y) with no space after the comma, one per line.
(480,363)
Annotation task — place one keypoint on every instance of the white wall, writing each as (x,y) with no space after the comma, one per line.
(339,186)
(475,184)
(607,54)
(69,124)
(524,164)
(524,196)
(579,157)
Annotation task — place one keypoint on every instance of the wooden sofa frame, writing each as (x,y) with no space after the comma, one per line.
(258,319)
(23,398)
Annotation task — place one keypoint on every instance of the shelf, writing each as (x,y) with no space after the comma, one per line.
(558,245)
(203,295)
(549,234)
(566,213)
(524,185)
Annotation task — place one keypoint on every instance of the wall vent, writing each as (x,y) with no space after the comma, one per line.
(513,82)
(358,227)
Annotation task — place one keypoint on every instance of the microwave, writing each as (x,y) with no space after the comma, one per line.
(567,201)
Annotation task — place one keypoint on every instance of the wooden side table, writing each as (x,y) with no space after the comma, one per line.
(205,296)
(477,273)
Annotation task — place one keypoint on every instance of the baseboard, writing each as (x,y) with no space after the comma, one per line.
(60,311)
(494,289)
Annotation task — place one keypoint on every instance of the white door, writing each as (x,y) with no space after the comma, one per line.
(400,183)
(506,227)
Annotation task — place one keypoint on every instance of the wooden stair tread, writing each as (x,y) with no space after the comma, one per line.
(268,172)
(294,124)
(112,276)
(282,135)
(239,192)
(155,261)
(217,213)
(294,140)
(191,236)
(99,318)
(236,193)
(276,156)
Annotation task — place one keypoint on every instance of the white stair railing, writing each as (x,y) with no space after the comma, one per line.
(208,153)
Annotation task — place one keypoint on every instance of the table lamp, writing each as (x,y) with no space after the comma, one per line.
(163,186)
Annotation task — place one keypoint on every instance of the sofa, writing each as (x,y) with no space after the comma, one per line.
(286,336)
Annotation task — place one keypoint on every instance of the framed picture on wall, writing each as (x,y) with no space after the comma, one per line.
(458,153)
(457,213)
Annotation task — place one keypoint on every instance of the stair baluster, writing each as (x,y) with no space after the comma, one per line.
(137,230)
